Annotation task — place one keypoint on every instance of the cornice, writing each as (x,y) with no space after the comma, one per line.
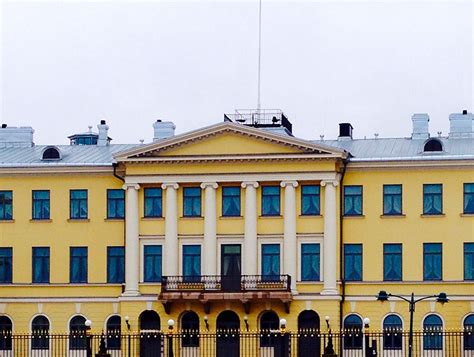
(56,170)
(409,164)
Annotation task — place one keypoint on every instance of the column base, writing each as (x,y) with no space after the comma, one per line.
(329,291)
(131,293)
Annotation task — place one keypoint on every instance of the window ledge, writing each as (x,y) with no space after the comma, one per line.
(466,214)
(231,217)
(7,221)
(359,216)
(393,215)
(192,217)
(310,216)
(41,220)
(275,216)
(114,219)
(432,215)
(152,218)
(78,220)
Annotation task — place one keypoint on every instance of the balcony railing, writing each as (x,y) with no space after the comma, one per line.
(219,283)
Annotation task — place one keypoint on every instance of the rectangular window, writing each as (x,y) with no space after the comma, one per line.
(153,202)
(270,200)
(6,265)
(432,261)
(78,204)
(310,200)
(152,263)
(352,200)
(433,199)
(392,262)
(353,262)
(116,204)
(40,265)
(192,202)
(310,262)
(392,200)
(270,261)
(230,201)
(469,198)
(115,265)
(192,262)
(78,265)
(41,204)
(6,205)
(468,261)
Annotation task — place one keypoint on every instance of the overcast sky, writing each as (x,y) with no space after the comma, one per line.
(66,65)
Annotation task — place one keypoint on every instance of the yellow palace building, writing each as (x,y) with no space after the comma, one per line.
(237,225)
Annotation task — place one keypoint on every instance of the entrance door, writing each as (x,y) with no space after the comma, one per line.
(228,338)
(308,328)
(150,338)
(230,267)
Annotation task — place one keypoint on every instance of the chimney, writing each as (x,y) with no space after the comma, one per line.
(461,125)
(345,131)
(163,129)
(14,137)
(421,130)
(103,139)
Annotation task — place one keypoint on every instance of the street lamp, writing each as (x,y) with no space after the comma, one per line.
(88,324)
(329,349)
(170,337)
(246,320)
(384,296)
(129,337)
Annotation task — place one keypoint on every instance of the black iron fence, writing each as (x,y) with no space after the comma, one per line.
(278,343)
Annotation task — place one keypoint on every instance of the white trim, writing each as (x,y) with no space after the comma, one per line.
(259,253)
(69,322)
(465,317)
(299,261)
(191,241)
(36,315)
(353,313)
(142,258)
(431,313)
(107,319)
(388,314)
(233,241)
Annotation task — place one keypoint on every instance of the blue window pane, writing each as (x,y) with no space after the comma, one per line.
(152,263)
(392,262)
(432,261)
(153,202)
(310,200)
(352,200)
(392,199)
(310,262)
(270,200)
(6,205)
(353,262)
(192,262)
(392,333)
(78,265)
(41,205)
(115,264)
(6,265)
(432,199)
(432,333)
(230,201)
(115,204)
(40,265)
(353,332)
(469,198)
(468,261)
(192,202)
(271,261)
(78,204)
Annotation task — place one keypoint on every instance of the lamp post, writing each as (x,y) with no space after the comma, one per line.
(170,337)
(284,339)
(246,320)
(88,324)
(368,350)
(384,296)
(329,349)
(129,348)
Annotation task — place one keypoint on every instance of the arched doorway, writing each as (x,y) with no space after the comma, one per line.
(6,328)
(190,329)
(150,336)
(228,338)
(308,330)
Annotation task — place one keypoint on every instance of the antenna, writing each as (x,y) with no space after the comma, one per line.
(259,54)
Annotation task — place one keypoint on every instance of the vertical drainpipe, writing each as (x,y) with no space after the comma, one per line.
(341,244)
(114,165)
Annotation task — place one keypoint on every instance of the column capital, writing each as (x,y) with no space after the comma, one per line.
(246,184)
(335,183)
(167,185)
(293,184)
(204,185)
(134,186)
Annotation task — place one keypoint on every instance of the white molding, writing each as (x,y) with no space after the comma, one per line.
(310,240)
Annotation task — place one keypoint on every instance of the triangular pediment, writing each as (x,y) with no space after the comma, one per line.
(227,140)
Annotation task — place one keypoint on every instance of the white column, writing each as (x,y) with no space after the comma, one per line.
(289,231)
(210,241)
(132,254)
(250,233)
(330,238)
(170,252)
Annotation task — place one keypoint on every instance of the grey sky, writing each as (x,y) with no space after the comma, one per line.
(66,65)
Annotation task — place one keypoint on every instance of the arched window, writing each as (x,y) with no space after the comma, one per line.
(432,333)
(5,333)
(77,333)
(353,332)
(51,153)
(269,325)
(433,145)
(309,343)
(114,329)
(469,333)
(40,333)
(392,333)
(150,337)
(190,329)
(149,320)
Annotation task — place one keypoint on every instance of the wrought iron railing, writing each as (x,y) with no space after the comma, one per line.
(219,283)
(263,118)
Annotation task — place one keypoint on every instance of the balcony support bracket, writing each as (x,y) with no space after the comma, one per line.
(167,306)
(207,307)
(287,306)
(246,305)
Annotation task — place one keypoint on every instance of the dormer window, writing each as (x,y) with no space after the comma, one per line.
(433,145)
(51,153)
